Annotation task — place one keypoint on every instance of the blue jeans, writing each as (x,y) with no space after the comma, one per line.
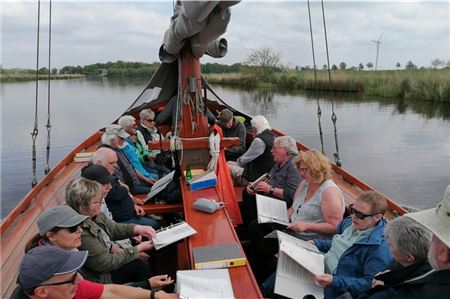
(142,220)
(141,188)
(268,286)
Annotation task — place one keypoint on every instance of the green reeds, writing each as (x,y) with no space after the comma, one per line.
(425,84)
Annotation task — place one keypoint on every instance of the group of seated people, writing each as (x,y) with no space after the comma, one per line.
(365,256)
(98,245)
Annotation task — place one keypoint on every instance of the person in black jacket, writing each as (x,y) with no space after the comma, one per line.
(409,243)
(258,159)
(232,128)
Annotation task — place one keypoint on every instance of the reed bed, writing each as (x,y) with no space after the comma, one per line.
(433,85)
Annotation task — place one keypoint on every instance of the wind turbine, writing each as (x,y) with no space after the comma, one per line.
(378,49)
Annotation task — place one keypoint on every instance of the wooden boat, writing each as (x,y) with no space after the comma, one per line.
(181,77)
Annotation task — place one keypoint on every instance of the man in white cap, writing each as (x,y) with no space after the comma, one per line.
(435,284)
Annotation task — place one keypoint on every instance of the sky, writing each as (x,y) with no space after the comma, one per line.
(85,32)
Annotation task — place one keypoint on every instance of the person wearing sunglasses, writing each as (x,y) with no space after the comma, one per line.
(52,273)
(60,227)
(358,251)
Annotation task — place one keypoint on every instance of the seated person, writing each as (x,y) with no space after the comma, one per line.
(118,199)
(147,127)
(125,172)
(61,227)
(356,253)
(409,243)
(317,210)
(284,178)
(232,128)
(107,262)
(51,272)
(257,160)
(136,139)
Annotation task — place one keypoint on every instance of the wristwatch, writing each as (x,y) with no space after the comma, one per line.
(272,189)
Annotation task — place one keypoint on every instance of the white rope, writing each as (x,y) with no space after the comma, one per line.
(214,150)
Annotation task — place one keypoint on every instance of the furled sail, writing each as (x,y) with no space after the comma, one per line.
(200,22)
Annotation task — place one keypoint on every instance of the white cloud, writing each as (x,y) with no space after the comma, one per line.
(86,32)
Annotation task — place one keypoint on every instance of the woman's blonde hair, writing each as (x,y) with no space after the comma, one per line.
(318,165)
(80,192)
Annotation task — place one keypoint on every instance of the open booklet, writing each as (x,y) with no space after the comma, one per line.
(172,233)
(271,210)
(214,283)
(159,185)
(298,263)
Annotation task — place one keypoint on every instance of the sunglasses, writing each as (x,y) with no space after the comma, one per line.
(71,229)
(70,281)
(358,214)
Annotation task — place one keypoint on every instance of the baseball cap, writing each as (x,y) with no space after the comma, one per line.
(117,130)
(43,262)
(97,173)
(60,216)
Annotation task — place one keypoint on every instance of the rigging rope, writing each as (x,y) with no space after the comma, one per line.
(214,150)
(333,115)
(48,125)
(319,111)
(35,132)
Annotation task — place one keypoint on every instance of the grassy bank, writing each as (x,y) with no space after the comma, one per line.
(431,85)
(31,77)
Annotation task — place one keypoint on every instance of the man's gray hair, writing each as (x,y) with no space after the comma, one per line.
(100,155)
(288,143)
(409,237)
(145,113)
(107,139)
(126,121)
(260,123)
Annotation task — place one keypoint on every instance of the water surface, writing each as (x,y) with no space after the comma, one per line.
(401,148)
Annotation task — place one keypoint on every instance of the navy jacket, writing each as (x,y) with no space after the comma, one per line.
(359,263)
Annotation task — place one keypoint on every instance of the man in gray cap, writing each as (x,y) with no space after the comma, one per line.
(52,273)
(435,284)
(232,128)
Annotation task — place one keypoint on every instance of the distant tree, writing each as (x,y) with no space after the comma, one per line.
(262,63)
(410,65)
(448,63)
(297,68)
(264,57)
(43,71)
(360,66)
(342,65)
(437,62)
(334,67)
(54,71)
(398,65)
(324,67)
(369,65)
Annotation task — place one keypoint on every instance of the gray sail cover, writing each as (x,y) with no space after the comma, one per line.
(200,22)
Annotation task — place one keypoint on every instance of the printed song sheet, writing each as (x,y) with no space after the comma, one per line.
(214,283)
(298,263)
(271,210)
(173,233)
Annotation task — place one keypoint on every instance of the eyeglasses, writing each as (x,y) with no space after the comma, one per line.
(303,169)
(150,119)
(96,202)
(71,281)
(358,214)
(71,229)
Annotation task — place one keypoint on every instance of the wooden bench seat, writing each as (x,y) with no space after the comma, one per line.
(164,208)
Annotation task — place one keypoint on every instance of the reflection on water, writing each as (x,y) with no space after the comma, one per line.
(399,147)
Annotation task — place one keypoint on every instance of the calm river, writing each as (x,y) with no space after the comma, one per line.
(401,148)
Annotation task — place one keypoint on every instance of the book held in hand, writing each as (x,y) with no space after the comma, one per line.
(271,210)
(298,263)
(172,234)
(218,256)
